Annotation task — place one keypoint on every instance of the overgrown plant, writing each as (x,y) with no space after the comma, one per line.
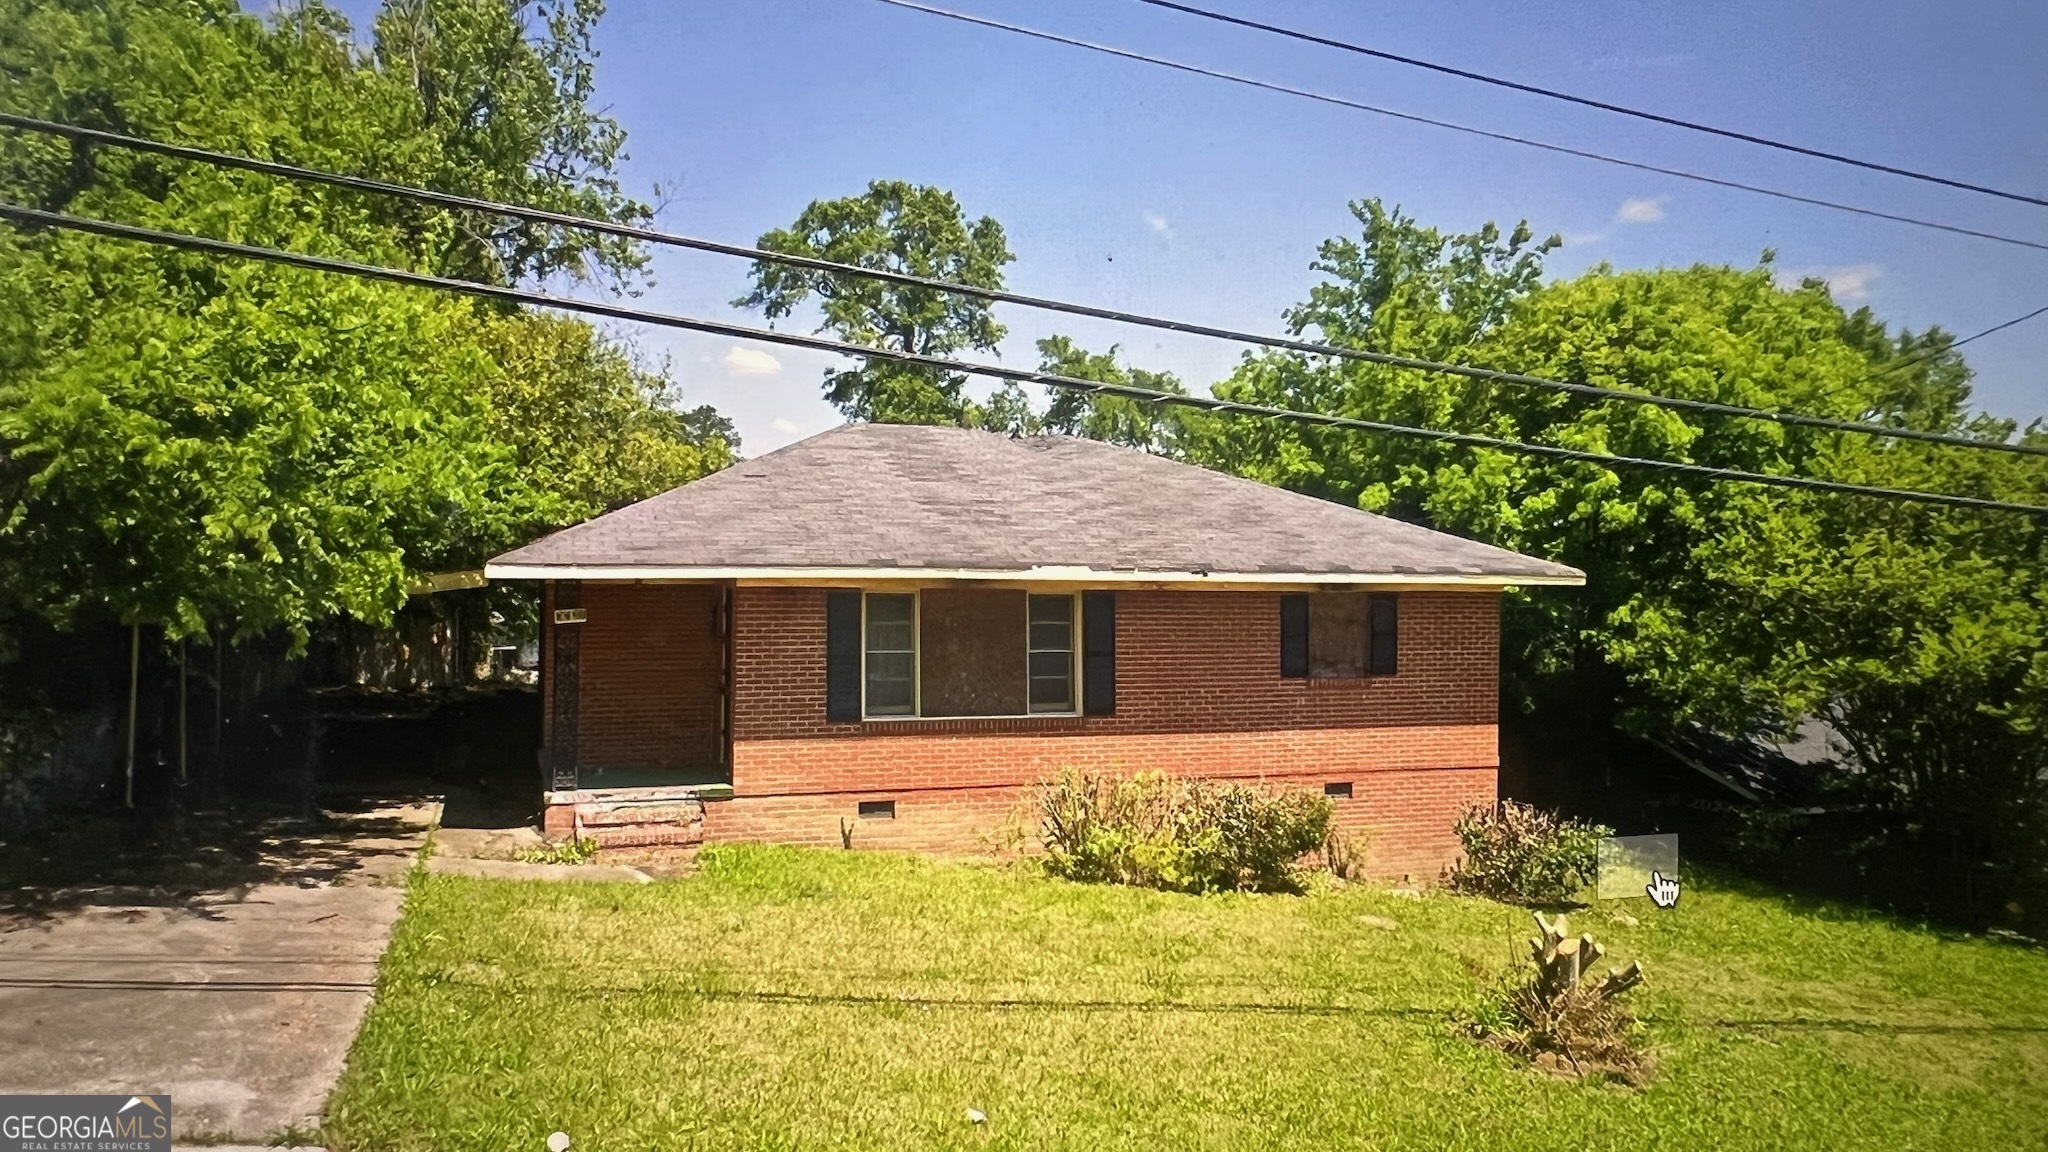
(1184,835)
(1523,855)
(574,850)
(1560,1015)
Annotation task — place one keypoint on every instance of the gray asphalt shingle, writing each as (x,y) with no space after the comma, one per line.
(897,496)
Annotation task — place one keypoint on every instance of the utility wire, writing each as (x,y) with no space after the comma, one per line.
(1317,348)
(34,217)
(1339,101)
(1588,102)
(1931,353)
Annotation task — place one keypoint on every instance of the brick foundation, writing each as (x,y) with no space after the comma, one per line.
(1405,817)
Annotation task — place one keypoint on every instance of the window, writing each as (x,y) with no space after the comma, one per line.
(1337,635)
(891,655)
(876,809)
(1052,653)
(947,652)
(1340,635)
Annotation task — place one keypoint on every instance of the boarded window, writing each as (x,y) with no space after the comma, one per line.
(1339,624)
(974,645)
(1349,634)
(955,652)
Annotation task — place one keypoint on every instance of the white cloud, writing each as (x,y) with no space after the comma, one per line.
(1581,239)
(1640,210)
(1158,224)
(786,426)
(740,360)
(1849,283)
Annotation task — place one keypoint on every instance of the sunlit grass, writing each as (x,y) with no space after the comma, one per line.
(789,998)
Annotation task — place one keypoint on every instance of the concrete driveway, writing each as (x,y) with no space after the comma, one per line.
(238,994)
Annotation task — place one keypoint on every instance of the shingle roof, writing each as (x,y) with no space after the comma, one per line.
(897,497)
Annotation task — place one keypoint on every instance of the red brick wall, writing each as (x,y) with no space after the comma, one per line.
(1198,693)
(652,662)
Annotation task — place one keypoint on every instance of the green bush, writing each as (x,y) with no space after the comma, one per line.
(1184,835)
(1524,855)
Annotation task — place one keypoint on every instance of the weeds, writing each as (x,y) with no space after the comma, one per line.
(1184,835)
(574,850)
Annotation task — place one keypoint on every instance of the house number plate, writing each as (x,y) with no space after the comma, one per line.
(571,615)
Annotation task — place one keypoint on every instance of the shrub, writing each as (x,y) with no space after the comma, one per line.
(1184,835)
(1524,855)
(1560,1016)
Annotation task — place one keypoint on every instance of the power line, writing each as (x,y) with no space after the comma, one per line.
(1952,345)
(22,215)
(1487,133)
(1588,102)
(628,231)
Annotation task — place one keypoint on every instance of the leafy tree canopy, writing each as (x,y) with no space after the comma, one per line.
(196,442)
(898,227)
(1117,419)
(1921,632)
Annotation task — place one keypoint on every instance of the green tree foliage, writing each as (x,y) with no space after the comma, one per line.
(898,227)
(504,89)
(1117,419)
(194,442)
(617,432)
(1919,631)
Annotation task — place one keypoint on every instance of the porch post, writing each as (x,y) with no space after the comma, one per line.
(565,634)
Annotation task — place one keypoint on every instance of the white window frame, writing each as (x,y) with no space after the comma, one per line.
(916,657)
(1073,652)
(917,660)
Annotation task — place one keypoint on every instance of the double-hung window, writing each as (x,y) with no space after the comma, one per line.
(1052,653)
(956,652)
(891,645)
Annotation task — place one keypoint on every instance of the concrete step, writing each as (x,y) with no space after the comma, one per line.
(633,823)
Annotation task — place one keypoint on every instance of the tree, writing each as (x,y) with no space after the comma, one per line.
(899,227)
(1922,633)
(504,91)
(1117,419)
(194,442)
(592,424)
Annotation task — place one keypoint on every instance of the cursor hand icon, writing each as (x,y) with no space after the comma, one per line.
(1663,892)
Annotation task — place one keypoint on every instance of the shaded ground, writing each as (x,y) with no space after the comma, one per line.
(224,958)
(822,999)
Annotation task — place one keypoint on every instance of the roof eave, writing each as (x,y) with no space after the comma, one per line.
(1567,578)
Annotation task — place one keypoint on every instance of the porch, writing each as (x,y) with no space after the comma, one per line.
(636,710)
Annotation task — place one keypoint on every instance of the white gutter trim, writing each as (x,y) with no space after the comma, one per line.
(1075,574)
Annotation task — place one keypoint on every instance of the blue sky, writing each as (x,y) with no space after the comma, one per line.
(1130,186)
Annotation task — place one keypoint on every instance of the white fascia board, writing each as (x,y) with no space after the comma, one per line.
(1068,574)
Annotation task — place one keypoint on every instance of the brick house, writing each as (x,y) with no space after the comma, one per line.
(895,631)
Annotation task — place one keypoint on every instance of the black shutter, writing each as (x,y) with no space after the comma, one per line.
(1294,635)
(842,656)
(1385,657)
(1098,653)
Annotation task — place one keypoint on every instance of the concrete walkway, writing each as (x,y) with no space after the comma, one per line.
(239,999)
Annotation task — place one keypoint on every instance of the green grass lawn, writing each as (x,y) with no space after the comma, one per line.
(789,998)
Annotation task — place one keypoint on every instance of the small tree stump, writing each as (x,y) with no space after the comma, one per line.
(1564,964)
